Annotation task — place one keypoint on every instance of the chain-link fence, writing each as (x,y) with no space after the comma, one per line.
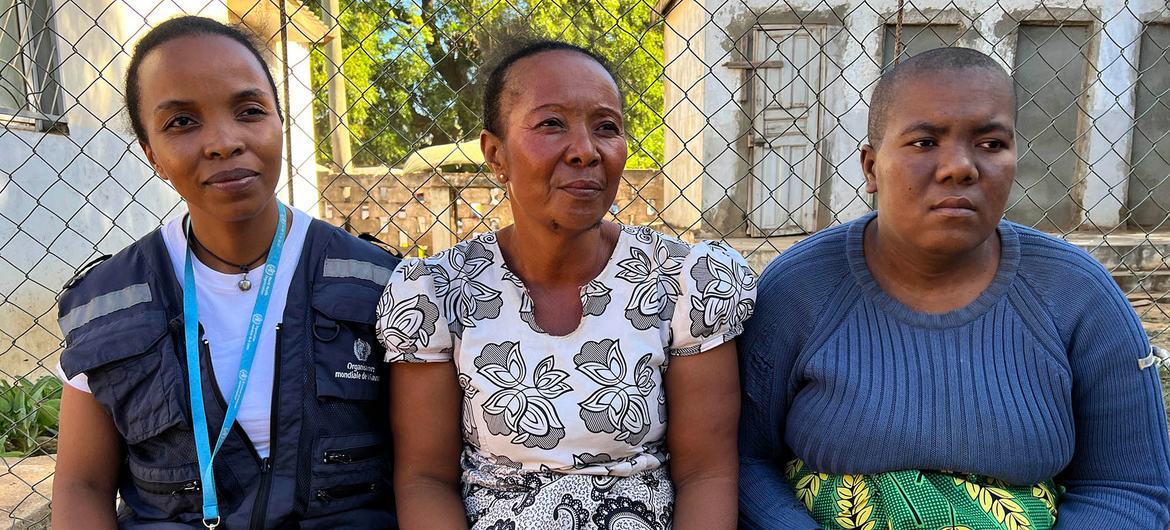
(744,120)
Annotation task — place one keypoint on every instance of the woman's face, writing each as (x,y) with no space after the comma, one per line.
(211,124)
(563,147)
(944,169)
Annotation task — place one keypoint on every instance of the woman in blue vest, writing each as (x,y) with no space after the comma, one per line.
(932,366)
(222,370)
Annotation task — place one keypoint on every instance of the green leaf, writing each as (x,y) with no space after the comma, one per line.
(49,414)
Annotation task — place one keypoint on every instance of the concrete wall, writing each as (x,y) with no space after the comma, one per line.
(1149,187)
(1093,181)
(66,198)
(685,119)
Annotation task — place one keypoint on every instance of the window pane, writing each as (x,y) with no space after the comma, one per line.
(12,87)
(917,38)
(1149,187)
(1050,78)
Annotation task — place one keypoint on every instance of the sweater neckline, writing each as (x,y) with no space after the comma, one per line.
(1004,275)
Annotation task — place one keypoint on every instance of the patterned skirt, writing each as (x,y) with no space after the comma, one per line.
(922,500)
(546,500)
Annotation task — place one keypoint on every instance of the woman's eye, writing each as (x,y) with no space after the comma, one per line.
(994,144)
(254,111)
(611,127)
(923,143)
(180,122)
(551,122)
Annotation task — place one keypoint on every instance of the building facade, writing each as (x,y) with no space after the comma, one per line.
(766,106)
(74,183)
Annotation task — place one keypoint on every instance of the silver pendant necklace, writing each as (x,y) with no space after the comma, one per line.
(244,284)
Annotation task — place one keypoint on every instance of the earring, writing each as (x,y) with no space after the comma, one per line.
(502,178)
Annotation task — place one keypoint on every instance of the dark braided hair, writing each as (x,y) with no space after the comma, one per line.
(175,28)
(493,92)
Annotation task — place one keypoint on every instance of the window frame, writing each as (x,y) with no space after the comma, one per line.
(43,109)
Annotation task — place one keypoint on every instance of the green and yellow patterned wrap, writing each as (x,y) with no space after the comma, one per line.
(922,500)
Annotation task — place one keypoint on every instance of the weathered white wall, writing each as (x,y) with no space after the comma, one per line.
(303,166)
(711,31)
(65,199)
(683,89)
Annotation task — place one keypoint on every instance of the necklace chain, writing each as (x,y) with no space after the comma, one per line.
(194,242)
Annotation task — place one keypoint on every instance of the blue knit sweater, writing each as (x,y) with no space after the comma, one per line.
(1035,379)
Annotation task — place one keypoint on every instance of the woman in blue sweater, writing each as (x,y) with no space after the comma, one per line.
(931,366)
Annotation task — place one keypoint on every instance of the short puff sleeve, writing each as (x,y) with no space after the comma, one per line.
(717,295)
(411,324)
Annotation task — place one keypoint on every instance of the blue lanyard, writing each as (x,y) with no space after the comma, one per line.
(194,380)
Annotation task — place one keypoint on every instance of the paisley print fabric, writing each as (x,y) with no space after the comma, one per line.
(923,500)
(519,500)
(589,403)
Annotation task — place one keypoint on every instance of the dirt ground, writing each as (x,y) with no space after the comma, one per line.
(1156,319)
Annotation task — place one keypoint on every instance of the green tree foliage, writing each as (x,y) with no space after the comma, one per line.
(411,68)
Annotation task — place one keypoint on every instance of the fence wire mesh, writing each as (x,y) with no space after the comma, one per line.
(744,120)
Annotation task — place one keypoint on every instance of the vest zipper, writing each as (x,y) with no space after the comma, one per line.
(349,456)
(239,431)
(340,492)
(260,510)
(173,489)
(206,346)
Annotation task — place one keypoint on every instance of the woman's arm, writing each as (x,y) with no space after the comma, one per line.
(1119,476)
(702,399)
(425,408)
(88,452)
(767,350)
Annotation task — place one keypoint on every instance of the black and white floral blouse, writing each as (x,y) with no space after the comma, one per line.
(590,402)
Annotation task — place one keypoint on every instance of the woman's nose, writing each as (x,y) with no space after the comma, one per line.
(958,164)
(222,142)
(582,150)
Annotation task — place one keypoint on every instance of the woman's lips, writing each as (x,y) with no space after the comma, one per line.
(233,181)
(954,212)
(954,207)
(583,189)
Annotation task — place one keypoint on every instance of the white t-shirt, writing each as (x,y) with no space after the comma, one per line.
(224,311)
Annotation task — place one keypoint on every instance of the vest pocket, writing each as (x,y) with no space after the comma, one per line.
(134,373)
(165,492)
(348,472)
(348,358)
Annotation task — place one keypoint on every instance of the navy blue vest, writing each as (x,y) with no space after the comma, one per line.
(329,462)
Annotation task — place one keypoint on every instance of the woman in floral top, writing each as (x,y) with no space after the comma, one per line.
(540,352)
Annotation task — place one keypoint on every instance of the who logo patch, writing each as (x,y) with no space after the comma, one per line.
(361,350)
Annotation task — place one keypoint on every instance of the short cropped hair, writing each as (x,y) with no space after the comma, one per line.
(951,59)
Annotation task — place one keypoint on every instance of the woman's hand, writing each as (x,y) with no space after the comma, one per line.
(425,408)
(702,399)
(89,450)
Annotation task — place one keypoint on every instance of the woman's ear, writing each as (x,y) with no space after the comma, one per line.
(492,147)
(150,158)
(868,157)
